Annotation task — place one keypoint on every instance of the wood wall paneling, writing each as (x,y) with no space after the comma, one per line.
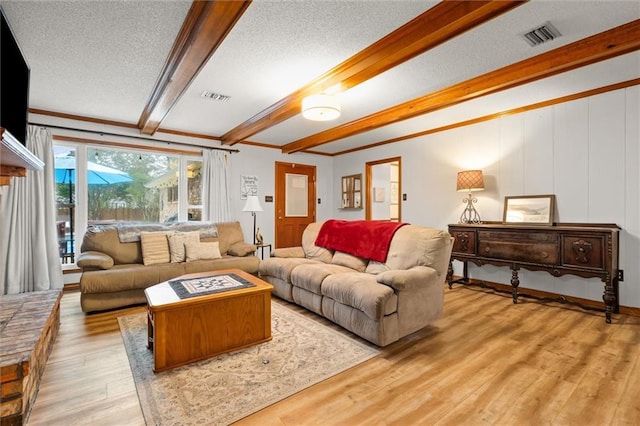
(582,141)
(538,150)
(630,289)
(571,159)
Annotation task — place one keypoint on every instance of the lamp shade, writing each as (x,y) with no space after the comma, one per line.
(470,180)
(320,107)
(252,204)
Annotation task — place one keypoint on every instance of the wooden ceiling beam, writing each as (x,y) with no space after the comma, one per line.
(602,46)
(205,27)
(432,28)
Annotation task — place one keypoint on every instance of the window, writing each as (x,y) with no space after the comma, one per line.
(194,189)
(105,185)
(65,177)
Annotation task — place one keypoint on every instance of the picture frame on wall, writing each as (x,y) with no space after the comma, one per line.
(378,195)
(529,209)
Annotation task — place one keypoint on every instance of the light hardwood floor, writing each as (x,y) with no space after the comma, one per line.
(486,362)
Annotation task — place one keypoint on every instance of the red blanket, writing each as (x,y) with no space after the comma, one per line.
(369,239)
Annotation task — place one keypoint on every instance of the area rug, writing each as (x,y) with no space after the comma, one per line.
(226,388)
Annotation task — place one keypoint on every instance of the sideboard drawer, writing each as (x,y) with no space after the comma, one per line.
(543,253)
(519,237)
(586,252)
(464,242)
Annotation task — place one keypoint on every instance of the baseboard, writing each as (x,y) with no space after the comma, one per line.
(71,287)
(594,304)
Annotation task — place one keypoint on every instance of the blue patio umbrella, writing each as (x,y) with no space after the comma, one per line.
(97,174)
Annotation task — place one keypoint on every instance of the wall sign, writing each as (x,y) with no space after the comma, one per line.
(248,186)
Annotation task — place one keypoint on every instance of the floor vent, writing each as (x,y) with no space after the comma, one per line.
(215,96)
(541,34)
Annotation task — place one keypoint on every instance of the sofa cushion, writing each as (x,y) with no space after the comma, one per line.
(310,277)
(202,251)
(350,261)
(362,292)
(155,248)
(177,240)
(247,263)
(311,250)
(129,277)
(281,267)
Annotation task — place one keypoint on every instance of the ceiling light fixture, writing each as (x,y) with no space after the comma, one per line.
(320,107)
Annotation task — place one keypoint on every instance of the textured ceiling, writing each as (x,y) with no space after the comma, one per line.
(101,59)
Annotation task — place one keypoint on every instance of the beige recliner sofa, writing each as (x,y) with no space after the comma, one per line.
(114,273)
(381,302)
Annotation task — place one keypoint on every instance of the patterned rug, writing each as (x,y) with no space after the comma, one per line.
(224,389)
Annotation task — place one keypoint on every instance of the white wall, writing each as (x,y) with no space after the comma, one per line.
(260,162)
(586,152)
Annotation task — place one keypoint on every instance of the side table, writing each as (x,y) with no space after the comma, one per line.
(261,247)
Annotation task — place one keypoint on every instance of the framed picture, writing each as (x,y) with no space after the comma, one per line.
(529,209)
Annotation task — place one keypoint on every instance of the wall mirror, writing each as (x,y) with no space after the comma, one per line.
(352,192)
(383,189)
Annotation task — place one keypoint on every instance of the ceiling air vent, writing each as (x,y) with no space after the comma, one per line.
(215,96)
(541,34)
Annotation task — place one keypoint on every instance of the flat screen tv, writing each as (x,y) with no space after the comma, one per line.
(14,84)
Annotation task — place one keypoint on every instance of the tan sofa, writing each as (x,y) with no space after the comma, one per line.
(380,302)
(114,274)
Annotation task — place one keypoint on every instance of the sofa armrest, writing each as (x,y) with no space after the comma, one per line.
(288,252)
(408,279)
(91,260)
(242,249)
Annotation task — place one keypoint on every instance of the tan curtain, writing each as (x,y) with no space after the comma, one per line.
(28,241)
(215,185)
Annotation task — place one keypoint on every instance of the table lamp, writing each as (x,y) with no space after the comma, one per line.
(469,181)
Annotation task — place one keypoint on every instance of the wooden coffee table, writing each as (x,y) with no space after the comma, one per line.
(194,328)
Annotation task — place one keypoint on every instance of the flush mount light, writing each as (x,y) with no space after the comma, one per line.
(320,107)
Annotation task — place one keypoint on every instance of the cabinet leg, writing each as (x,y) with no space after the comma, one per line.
(515,282)
(609,298)
(450,274)
(149,331)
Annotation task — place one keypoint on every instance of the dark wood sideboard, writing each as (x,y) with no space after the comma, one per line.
(585,250)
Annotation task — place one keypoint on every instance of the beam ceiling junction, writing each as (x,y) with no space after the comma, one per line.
(437,25)
(205,27)
(605,45)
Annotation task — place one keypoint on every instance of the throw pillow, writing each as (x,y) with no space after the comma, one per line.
(350,261)
(202,251)
(242,249)
(177,240)
(155,247)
